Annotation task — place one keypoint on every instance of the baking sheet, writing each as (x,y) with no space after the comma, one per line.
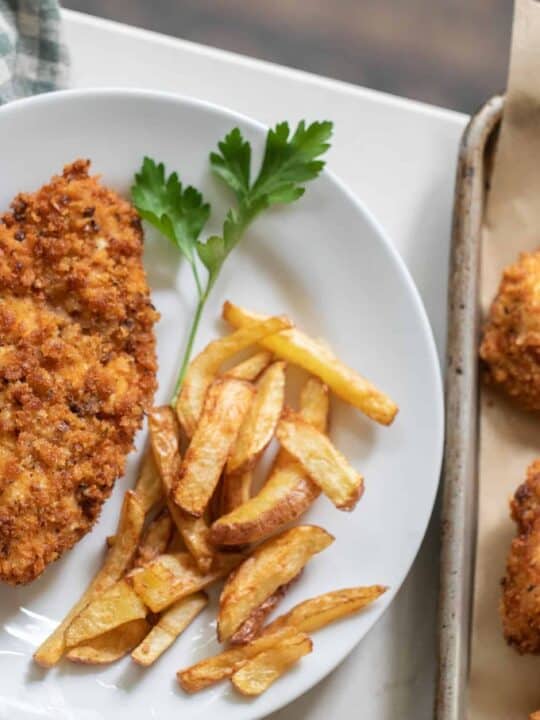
(459,495)
(502,684)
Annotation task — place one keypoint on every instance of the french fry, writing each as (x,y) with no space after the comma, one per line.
(155,540)
(264,669)
(535,715)
(214,509)
(195,533)
(260,420)
(118,559)
(225,407)
(117,605)
(164,441)
(204,368)
(252,626)
(325,465)
(320,611)
(110,646)
(299,349)
(148,486)
(173,622)
(235,491)
(274,563)
(251,368)
(218,667)
(314,403)
(287,493)
(169,578)
(176,545)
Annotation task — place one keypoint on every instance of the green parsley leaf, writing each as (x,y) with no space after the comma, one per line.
(289,162)
(212,254)
(215,250)
(233,164)
(179,214)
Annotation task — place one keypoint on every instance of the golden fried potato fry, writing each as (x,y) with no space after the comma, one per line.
(324,464)
(110,646)
(251,368)
(285,496)
(535,715)
(225,407)
(204,368)
(116,606)
(260,672)
(314,403)
(218,667)
(235,491)
(164,440)
(169,626)
(260,420)
(148,487)
(272,564)
(155,540)
(169,578)
(118,559)
(320,611)
(252,626)
(196,537)
(287,493)
(299,349)
(176,545)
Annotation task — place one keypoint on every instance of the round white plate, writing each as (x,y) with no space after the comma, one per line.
(324,261)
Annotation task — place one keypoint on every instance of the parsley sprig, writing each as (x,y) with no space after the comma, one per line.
(290,161)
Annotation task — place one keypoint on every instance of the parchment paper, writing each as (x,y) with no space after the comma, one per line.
(504,685)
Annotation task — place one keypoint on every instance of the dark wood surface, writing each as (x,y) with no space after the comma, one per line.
(452,53)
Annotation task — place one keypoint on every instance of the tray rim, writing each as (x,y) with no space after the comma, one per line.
(459,488)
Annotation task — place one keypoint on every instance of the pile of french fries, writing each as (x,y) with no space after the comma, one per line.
(193,519)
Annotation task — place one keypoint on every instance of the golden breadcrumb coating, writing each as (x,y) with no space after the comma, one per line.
(511,344)
(520,605)
(77,363)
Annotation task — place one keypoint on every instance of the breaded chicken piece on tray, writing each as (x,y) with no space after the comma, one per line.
(520,605)
(77,363)
(510,346)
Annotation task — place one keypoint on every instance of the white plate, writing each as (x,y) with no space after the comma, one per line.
(324,261)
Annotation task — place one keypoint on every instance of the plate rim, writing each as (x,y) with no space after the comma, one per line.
(119,92)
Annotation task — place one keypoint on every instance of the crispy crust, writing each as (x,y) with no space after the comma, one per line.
(520,604)
(77,363)
(510,347)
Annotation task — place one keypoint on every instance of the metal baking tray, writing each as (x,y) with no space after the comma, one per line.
(459,493)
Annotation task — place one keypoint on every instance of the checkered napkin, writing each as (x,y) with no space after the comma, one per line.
(33,58)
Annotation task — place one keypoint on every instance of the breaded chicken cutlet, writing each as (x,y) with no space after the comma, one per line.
(520,605)
(77,363)
(510,347)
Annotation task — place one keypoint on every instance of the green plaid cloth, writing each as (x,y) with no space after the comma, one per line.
(33,58)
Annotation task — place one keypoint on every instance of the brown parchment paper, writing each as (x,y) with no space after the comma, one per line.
(504,685)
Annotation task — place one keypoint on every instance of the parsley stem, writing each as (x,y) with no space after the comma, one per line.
(203,297)
(197,280)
